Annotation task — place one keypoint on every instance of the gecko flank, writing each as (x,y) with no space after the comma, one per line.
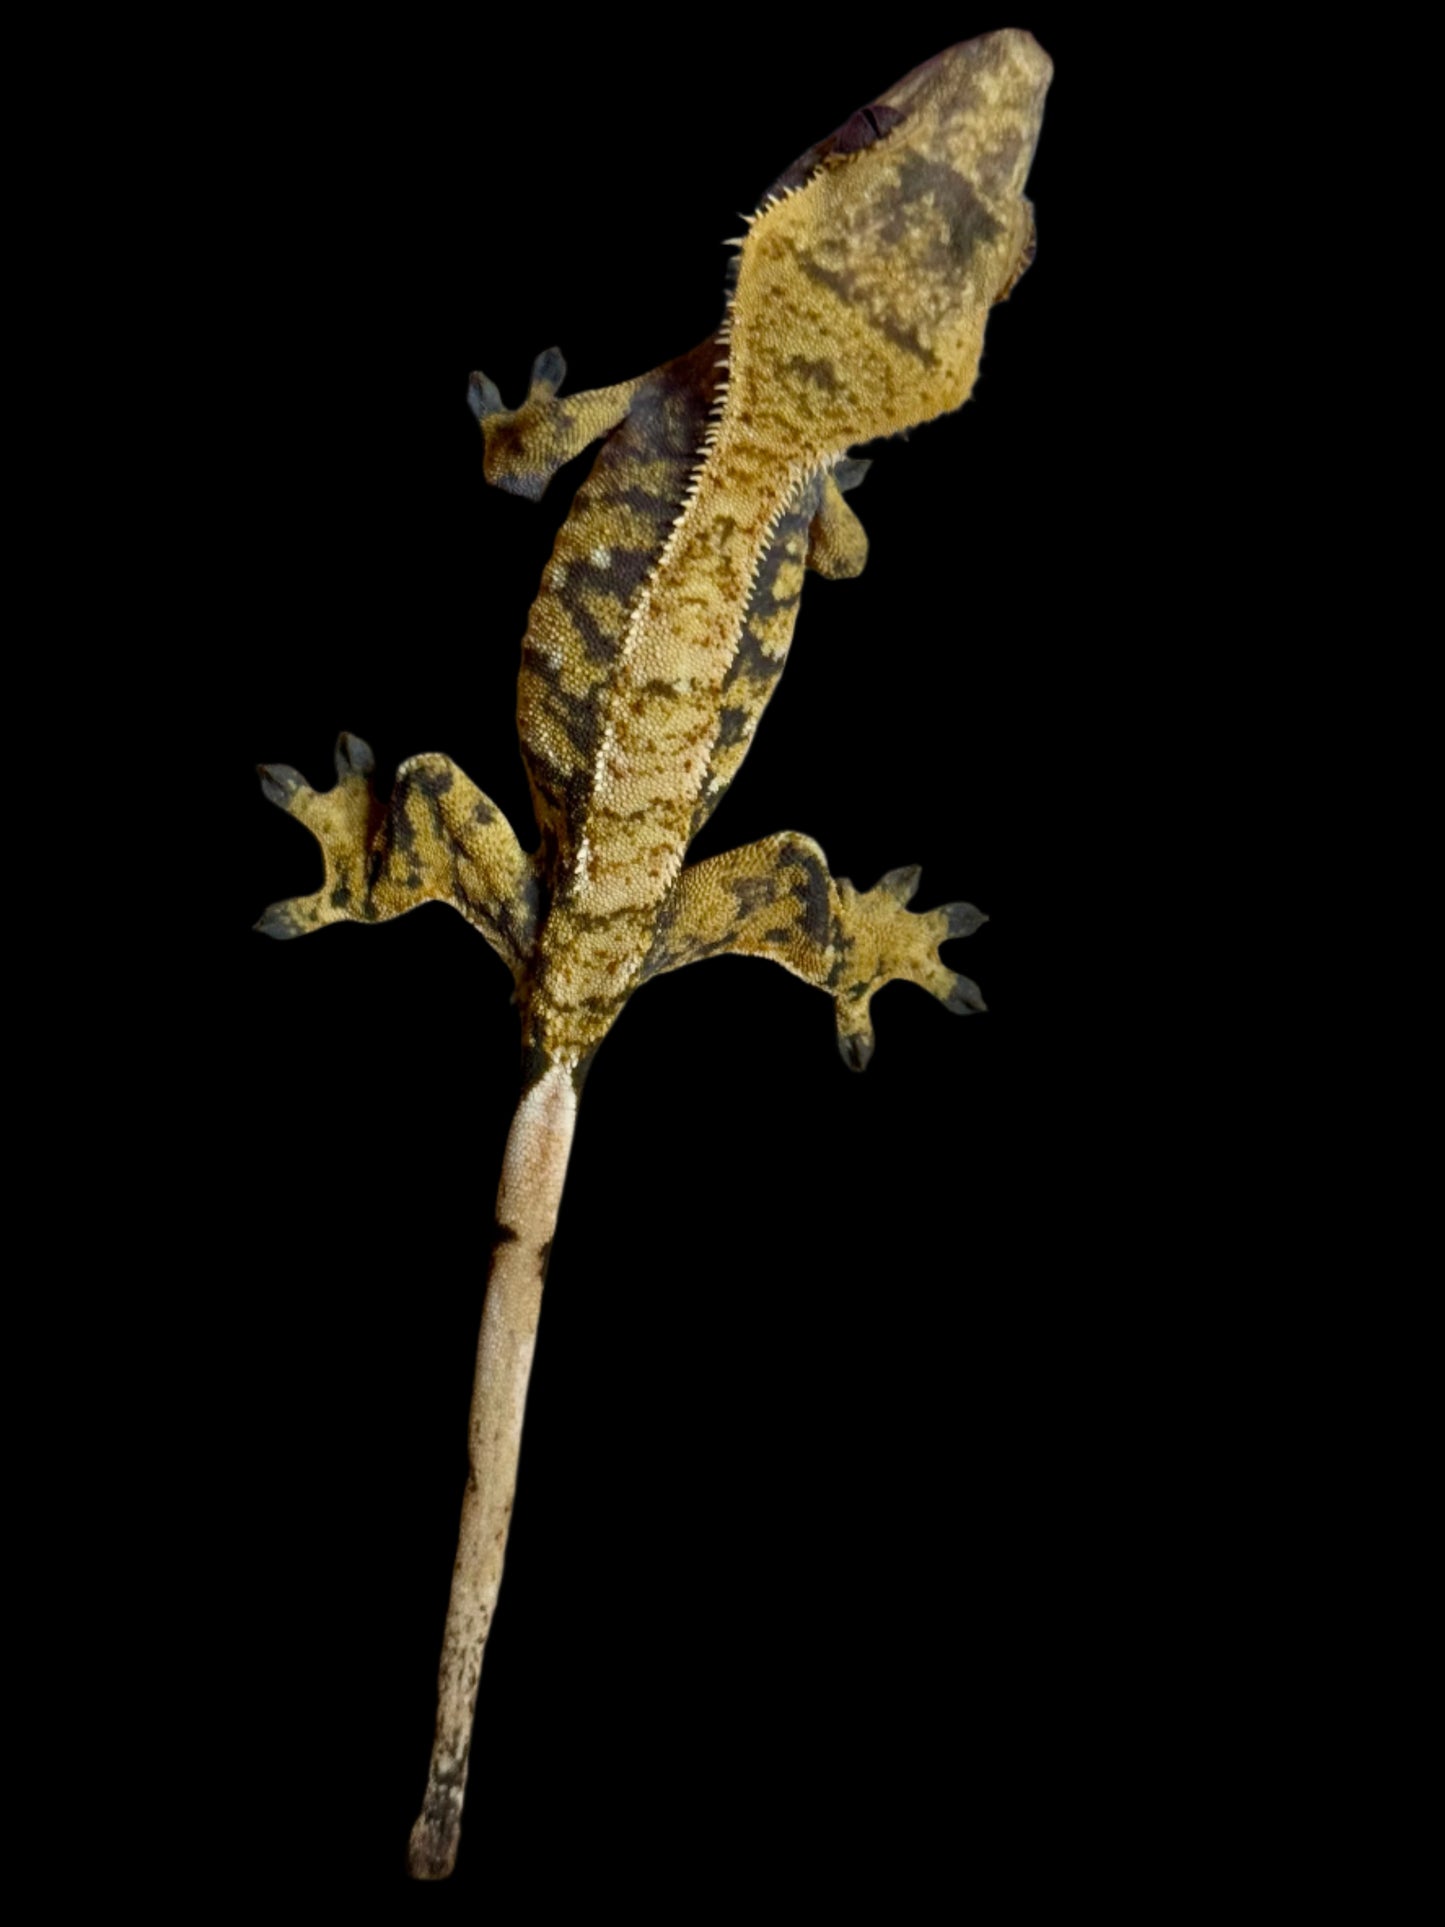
(856,307)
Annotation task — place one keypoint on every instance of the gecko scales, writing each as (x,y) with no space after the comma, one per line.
(856,306)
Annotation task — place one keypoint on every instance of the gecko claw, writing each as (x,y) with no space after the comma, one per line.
(963,919)
(353,757)
(279,783)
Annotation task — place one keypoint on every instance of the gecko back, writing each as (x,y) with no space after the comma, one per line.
(666,611)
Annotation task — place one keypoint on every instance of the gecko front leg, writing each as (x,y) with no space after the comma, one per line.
(777,899)
(439,840)
(837,540)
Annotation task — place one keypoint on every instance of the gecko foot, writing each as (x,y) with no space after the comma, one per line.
(519,440)
(437,840)
(883,942)
(342,820)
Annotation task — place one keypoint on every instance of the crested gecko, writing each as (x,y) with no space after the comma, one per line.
(857,297)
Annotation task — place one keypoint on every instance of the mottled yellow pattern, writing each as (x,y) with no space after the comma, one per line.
(776,899)
(440,840)
(655,642)
(859,310)
(862,297)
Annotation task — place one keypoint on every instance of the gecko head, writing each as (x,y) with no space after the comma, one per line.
(884,246)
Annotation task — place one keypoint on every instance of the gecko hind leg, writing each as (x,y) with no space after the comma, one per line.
(526,446)
(438,840)
(777,899)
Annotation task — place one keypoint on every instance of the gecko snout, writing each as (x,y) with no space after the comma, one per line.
(998,80)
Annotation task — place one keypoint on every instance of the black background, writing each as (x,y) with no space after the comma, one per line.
(837,1535)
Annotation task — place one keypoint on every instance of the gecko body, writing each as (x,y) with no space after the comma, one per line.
(856,309)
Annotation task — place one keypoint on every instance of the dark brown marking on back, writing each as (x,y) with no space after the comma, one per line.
(812,891)
(603,570)
(761,652)
(842,284)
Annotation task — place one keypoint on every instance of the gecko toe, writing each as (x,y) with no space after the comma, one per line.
(549,371)
(353,756)
(484,397)
(856,1049)
(965,997)
(902,885)
(280,783)
(278,921)
(963,919)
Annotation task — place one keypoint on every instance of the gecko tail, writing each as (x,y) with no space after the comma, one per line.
(534,1171)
